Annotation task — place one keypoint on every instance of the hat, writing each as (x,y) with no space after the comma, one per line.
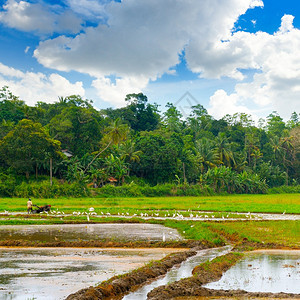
(29,198)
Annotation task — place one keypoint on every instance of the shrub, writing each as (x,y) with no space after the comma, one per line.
(284,189)
(168,189)
(44,190)
(7,185)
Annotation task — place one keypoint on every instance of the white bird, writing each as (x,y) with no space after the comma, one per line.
(91,209)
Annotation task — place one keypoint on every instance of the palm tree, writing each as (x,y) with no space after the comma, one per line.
(116,167)
(115,133)
(276,146)
(207,157)
(256,154)
(251,143)
(287,150)
(128,153)
(223,149)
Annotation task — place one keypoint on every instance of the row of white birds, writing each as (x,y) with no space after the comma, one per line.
(175,215)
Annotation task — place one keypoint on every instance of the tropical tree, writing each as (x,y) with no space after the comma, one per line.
(116,167)
(224,150)
(27,145)
(207,157)
(172,118)
(129,154)
(115,133)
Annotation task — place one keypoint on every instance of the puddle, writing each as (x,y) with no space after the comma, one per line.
(271,271)
(177,273)
(55,273)
(88,232)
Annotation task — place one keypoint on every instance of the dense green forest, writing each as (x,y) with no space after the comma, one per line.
(138,144)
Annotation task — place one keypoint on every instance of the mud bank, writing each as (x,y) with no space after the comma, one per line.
(205,273)
(118,286)
(109,244)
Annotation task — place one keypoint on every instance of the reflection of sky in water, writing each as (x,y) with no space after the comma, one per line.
(263,272)
(89,232)
(185,270)
(56,273)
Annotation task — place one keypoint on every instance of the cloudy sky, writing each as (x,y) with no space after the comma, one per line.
(228,55)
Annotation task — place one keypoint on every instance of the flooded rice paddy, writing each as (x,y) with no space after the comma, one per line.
(88,232)
(272,271)
(54,273)
(177,273)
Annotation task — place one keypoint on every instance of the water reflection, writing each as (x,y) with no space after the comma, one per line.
(177,273)
(54,273)
(263,271)
(88,232)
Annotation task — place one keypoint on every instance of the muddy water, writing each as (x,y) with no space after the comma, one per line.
(87,232)
(263,271)
(54,273)
(177,273)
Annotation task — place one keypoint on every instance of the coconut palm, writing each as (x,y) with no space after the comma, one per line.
(224,151)
(116,132)
(129,154)
(207,157)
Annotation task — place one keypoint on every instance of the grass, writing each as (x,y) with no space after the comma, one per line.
(280,232)
(275,203)
(286,233)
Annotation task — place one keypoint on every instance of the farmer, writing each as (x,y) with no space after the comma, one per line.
(29,206)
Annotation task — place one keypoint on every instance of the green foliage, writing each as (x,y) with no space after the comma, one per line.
(285,189)
(133,190)
(27,145)
(7,185)
(11,108)
(44,190)
(223,179)
(229,155)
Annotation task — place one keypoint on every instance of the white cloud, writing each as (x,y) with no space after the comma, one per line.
(39,18)
(88,8)
(115,92)
(33,87)
(144,38)
(277,84)
(222,104)
(286,24)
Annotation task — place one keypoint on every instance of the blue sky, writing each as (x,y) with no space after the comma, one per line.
(231,56)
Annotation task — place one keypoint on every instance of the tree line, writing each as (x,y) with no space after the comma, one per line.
(139,143)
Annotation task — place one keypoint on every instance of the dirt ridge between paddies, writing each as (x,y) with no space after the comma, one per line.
(117,286)
(205,273)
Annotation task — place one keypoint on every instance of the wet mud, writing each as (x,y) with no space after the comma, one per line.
(109,244)
(86,232)
(118,286)
(54,273)
(206,273)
